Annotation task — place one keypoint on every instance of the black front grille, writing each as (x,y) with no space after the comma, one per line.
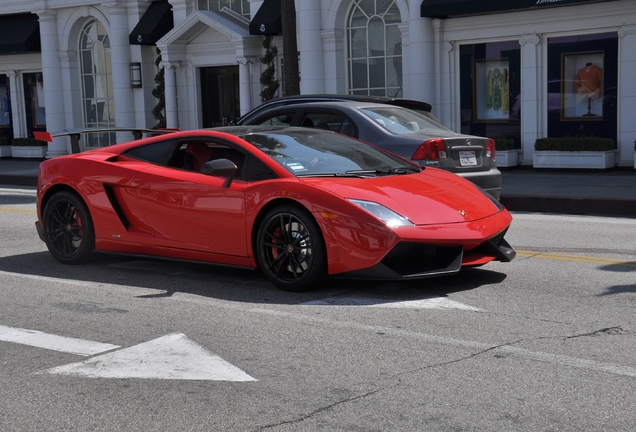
(417,258)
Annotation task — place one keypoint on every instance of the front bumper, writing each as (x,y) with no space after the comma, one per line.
(411,260)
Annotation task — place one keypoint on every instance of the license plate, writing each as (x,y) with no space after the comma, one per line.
(467,158)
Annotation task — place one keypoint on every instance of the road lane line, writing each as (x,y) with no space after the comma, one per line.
(39,339)
(14,210)
(573,258)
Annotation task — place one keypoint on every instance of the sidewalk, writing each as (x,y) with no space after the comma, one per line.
(604,193)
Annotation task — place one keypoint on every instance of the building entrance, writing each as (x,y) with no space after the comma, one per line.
(220,100)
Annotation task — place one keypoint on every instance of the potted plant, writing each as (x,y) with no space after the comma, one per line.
(5,147)
(574,152)
(505,153)
(28,148)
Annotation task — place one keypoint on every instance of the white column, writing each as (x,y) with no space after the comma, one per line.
(312,75)
(420,54)
(172,117)
(120,56)
(627,99)
(333,48)
(531,120)
(448,111)
(245,82)
(52,82)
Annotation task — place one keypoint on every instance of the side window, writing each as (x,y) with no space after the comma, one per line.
(278,120)
(329,121)
(159,153)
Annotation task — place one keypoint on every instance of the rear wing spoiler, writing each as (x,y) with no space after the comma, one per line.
(75,134)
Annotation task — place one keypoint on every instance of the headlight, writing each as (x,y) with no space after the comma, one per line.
(386,215)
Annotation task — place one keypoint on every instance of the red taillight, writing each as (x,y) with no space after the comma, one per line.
(433,149)
(490,148)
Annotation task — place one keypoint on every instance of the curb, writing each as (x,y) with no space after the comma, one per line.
(18,180)
(570,205)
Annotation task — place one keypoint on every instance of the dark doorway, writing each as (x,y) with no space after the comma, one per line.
(220,95)
(6,122)
(34,102)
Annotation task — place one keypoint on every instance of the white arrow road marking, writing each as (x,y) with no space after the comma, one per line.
(172,356)
(53,342)
(427,303)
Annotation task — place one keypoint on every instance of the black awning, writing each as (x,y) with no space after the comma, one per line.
(454,8)
(156,22)
(267,20)
(19,34)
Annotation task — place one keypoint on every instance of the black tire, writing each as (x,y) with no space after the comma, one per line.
(68,228)
(290,249)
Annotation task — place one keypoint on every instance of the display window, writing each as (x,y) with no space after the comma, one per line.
(490,90)
(582,86)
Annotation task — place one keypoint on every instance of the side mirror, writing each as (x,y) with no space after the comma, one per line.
(220,168)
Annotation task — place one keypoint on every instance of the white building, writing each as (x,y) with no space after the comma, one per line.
(488,68)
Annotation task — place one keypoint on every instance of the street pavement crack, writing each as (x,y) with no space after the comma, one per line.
(388,387)
(325,408)
(612,331)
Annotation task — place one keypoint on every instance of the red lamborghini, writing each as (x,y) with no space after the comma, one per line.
(299,204)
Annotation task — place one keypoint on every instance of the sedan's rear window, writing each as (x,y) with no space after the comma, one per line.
(403,121)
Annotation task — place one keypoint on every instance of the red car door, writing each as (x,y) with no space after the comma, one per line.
(190,210)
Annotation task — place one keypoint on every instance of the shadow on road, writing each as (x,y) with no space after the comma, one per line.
(229,283)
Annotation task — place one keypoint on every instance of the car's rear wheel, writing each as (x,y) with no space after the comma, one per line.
(68,228)
(290,249)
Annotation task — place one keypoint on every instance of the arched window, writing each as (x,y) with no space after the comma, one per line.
(97,83)
(374,56)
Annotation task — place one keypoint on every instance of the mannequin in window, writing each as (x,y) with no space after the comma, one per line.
(588,83)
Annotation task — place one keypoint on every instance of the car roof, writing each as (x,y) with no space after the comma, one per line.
(292,100)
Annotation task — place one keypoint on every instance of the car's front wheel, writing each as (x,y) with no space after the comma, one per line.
(68,228)
(290,249)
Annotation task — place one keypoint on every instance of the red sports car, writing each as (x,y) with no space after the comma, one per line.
(299,204)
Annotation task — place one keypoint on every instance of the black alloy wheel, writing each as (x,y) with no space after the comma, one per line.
(290,249)
(68,228)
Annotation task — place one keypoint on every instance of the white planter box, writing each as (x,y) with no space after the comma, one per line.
(28,151)
(583,159)
(5,151)
(507,158)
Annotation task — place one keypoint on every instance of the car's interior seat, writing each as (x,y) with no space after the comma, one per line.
(196,154)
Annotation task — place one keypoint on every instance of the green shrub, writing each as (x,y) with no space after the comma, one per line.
(4,141)
(574,144)
(504,144)
(30,142)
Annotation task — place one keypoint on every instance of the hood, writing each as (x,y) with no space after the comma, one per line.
(431,197)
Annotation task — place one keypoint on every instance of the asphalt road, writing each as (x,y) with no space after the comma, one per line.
(546,342)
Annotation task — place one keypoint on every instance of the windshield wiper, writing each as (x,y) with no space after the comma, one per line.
(405,170)
(346,174)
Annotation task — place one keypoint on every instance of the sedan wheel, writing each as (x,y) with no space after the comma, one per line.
(68,228)
(290,249)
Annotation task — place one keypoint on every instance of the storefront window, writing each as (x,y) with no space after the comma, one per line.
(374,48)
(582,86)
(490,90)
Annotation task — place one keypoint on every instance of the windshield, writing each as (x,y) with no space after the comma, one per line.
(316,153)
(403,121)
